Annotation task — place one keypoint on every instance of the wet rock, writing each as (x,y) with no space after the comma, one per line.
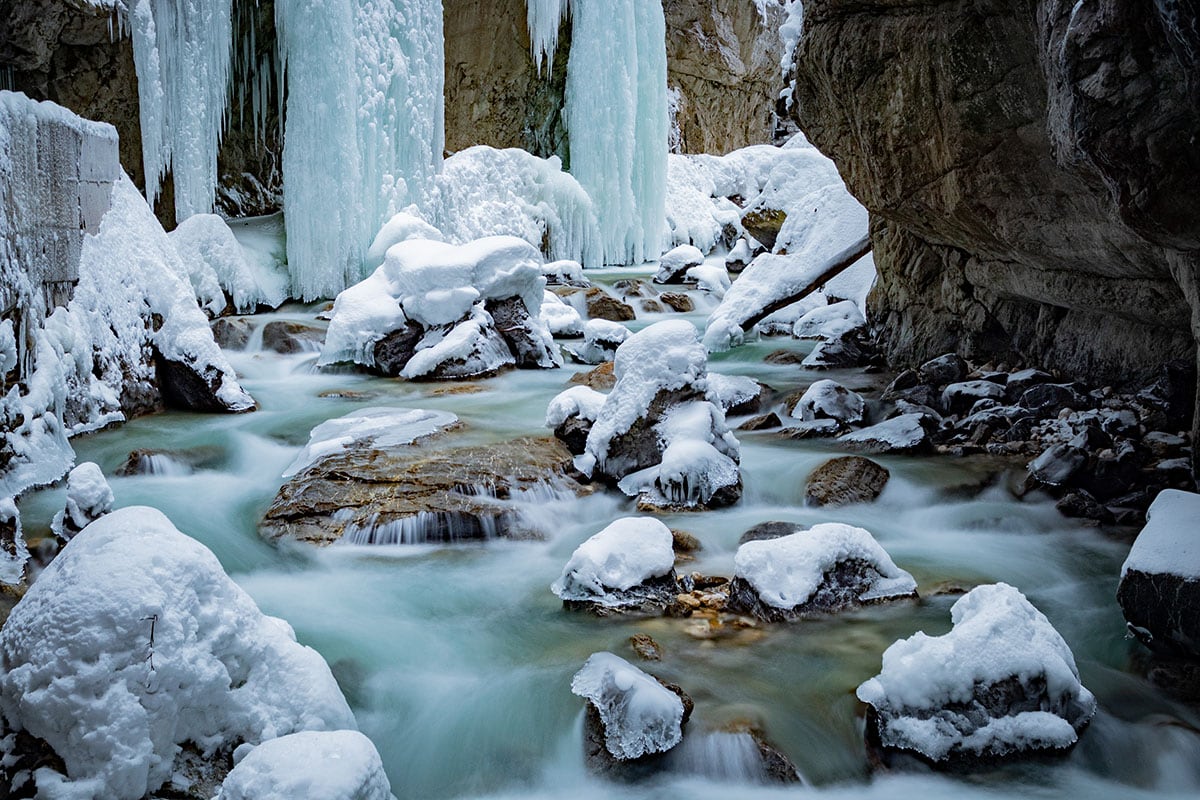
(908,379)
(1048,399)
(396,349)
(156,462)
(651,306)
(419,493)
(286,337)
(960,397)
(768,530)
(529,343)
(842,352)
(684,543)
(844,481)
(646,648)
(601,305)
(573,432)
(183,387)
(601,378)
(677,301)
(1082,505)
(943,370)
(920,395)
(1058,465)
(632,287)
(903,434)
(232,333)
(1164,445)
(816,429)
(764,225)
(1018,382)
(784,357)
(761,423)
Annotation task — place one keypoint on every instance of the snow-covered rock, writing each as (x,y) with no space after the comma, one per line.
(736,394)
(559,318)
(905,433)
(639,715)
(829,321)
(565,272)
(1001,683)
(824,569)
(741,254)
(628,566)
(330,765)
(133,642)
(13,552)
(661,432)
(601,338)
(218,267)
(376,427)
(89,497)
(440,310)
(401,227)
(709,278)
(828,399)
(571,414)
(1160,580)
(783,322)
(674,264)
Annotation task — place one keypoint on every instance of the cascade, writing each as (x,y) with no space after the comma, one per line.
(364,127)
(616,113)
(181,51)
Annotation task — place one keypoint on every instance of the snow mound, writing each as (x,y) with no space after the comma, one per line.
(375,428)
(828,399)
(89,497)
(564,272)
(674,263)
(709,278)
(1002,681)
(628,552)
(601,338)
(134,641)
(406,225)
(578,401)
(561,319)
(829,321)
(639,714)
(217,266)
(788,571)
(1169,543)
(330,765)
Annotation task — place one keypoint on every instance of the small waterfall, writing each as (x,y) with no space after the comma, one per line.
(426,527)
(720,756)
(162,465)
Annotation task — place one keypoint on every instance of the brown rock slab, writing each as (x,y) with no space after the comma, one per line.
(845,480)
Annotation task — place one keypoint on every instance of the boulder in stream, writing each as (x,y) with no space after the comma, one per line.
(845,480)
(627,568)
(89,497)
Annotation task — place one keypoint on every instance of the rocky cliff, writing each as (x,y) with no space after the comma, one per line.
(1030,167)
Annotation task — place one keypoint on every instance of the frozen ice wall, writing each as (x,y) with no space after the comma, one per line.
(364,128)
(181,49)
(616,114)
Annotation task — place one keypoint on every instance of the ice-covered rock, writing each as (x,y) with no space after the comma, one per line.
(89,497)
(571,414)
(737,394)
(330,765)
(601,338)
(218,268)
(438,310)
(829,321)
(1160,580)
(627,567)
(902,434)
(377,427)
(828,399)
(13,552)
(559,318)
(1001,683)
(674,264)
(637,714)
(661,432)
(824,569)
(709,278)
(132,643)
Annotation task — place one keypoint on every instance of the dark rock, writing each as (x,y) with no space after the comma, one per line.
(841,587)
(768,530)
(396,349)
(646,648)
(921,395)
(908,433)
(601,305)
(601,378)
(512,320)
(600,761)
(573,432)
(814,429)
(764,225)
(749,404)
(1047,399)
(232,333)
(841,353)
(905,380)
(1018,382)
(1170,397)
(677,301)
(184,388)
(943,370)
(784,357)
(1164,445)
(1058,465)
(962,396)
(1161,611)
(845,480)
(1091,440)
(761,423)
(632,287)
(1081,505)
(650,598)
(286,337)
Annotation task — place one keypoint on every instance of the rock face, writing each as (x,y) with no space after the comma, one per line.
(1026,166)
(412,493)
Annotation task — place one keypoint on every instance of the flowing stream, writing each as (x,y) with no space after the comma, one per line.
(458,659)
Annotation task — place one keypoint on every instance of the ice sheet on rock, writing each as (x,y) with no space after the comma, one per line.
(403,226)
(692,472)
(89,497)
(582,401)
(377,427)
(483,192)
(640,715)
(79,674)
(330,765)
(217,265)
(829,321)
(901,433)
(710,278)
(828,399)
(997,636)
(561,319)
(1169,544)
(731,391)
(13,552)
(787,571)
(626,553)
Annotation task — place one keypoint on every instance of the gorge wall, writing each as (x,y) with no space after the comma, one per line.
(1030,167)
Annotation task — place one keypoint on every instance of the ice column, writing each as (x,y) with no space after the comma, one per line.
(364,130)
(181,50)
(616,114)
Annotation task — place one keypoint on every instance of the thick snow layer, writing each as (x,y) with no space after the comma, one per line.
(181,52)
(564,272)
(997,636)
(132,642)
(678,260)
(471,347)
(640,715)
(483,191)
(828,399)
(694,215)
(89,497)
(731,391)
(710,278)
(626,553)
(558,317)
(329,765)
(787,571)
(406,225)
(854,283)
(365,129)
(829,321)
(783,321)
(217,265)
(375,428)
(581,401)
(1169,544)
(13,552)
(601,338)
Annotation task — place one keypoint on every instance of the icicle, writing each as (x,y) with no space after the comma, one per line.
(543,18)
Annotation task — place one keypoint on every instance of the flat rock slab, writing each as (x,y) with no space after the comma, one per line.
(419,493)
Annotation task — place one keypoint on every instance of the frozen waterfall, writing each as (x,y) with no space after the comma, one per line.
(181,50)
(364,130)
(616,114)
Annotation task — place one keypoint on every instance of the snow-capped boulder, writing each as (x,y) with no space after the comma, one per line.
(559,318)
(630,714)
(821,570)
(830,321)
(401,227)
(13,552)
(828,399)
(1001,683)
(960,397)
(783,322)
(741,254)
(737,394)
(571,414)
(906,433)
(134,642)
(627,567)
(1160,580)
(709,278)
(437,310)
(330,765)
(601,338)
(89,497)
(675,263)
(839,352)
(565,273)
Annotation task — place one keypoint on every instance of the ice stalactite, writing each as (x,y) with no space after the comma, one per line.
(544,18)
(364,127)
(181,50)
(616,113)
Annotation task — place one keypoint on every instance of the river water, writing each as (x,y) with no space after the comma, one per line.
(458,659)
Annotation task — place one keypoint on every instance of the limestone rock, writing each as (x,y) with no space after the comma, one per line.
(845,480)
